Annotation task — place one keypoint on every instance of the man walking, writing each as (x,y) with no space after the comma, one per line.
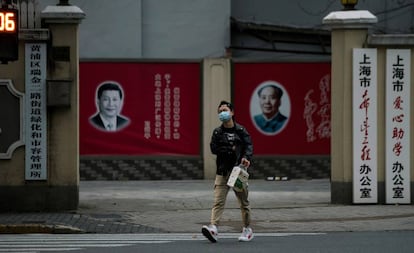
(232,145)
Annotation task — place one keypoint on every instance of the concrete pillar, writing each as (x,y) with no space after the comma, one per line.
(60,190)
(382,42)
(63,22)
(216,87)
(349,30)
(63,116)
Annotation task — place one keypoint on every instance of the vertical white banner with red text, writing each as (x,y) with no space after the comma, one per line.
(364,83)
(397,184)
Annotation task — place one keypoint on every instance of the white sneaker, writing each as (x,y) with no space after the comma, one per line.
(210,232)
(247,235)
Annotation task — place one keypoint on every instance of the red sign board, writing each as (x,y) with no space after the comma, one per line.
(297,123)
(130,108)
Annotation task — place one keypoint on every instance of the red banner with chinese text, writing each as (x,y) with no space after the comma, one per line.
(160,107)
(302,125)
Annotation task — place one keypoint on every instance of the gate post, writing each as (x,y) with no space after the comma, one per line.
(46,75)
(216,87)
(63,22)
(349,30)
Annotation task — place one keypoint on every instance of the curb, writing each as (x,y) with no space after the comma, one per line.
(38,229)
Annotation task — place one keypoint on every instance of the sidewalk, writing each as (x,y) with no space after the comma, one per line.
(184,206)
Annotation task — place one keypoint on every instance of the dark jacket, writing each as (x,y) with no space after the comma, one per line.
(230,145)
(96,120)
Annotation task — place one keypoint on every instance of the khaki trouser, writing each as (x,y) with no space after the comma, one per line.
(220,194)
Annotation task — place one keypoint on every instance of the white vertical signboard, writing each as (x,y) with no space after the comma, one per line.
(35,108)
(397,168)
(364,83)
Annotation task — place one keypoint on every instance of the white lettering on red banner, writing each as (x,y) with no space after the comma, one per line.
(318,115)
(166,121)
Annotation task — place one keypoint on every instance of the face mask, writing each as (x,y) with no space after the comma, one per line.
(224,116)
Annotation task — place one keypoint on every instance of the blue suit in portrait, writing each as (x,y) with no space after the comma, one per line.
(270,126)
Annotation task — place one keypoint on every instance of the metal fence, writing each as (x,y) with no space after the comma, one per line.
(29,13)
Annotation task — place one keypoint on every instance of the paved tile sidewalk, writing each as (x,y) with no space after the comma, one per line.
(67,222)
(184,206)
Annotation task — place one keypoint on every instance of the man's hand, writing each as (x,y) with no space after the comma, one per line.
(245,163)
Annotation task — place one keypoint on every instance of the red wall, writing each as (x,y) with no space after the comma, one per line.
(306,103)
(169,90)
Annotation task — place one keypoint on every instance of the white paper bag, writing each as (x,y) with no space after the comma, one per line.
(238,178)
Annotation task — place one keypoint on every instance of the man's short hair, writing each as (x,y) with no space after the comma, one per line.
(228,104)
(109,86)
(279,91)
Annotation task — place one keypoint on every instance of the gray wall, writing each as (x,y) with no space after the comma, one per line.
(179,29)
(195,29)
(185,28)
(394,16)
